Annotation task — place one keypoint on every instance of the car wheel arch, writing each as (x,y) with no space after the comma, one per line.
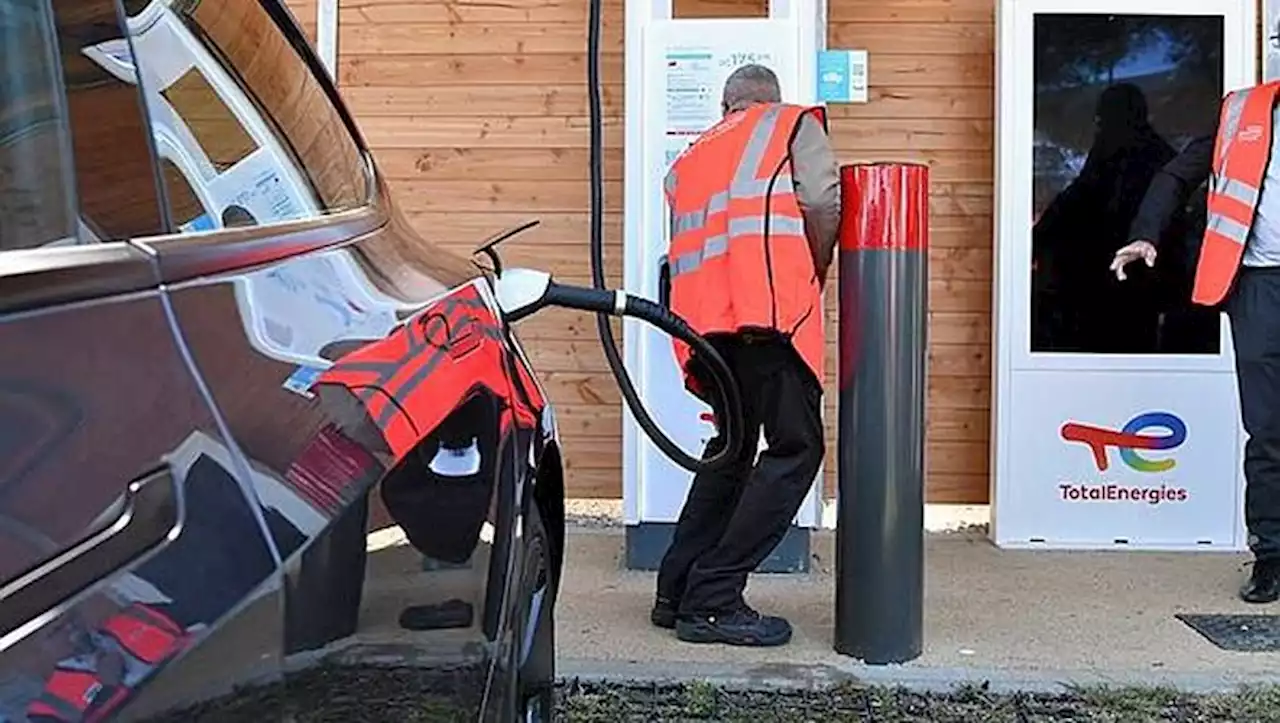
(548,495)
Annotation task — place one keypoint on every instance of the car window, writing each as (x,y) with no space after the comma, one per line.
(75,161)
(244,131)
(37,186)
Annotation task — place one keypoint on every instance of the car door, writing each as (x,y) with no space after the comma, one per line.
(126,536)
(259,295)
(290,261)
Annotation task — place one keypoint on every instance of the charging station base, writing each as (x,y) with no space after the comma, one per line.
(647,542)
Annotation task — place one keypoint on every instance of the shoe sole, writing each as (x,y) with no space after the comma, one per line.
(1260,600)
(703,635)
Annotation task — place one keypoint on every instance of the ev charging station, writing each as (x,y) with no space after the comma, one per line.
(675,73)
(1091,450)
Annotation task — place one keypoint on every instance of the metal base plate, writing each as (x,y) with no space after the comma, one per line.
(1238,633)
(647,542)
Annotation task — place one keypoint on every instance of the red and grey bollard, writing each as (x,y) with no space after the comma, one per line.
(884,285)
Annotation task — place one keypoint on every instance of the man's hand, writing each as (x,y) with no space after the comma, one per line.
(1144,250)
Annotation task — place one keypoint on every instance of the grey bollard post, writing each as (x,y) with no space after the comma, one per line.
(884,285)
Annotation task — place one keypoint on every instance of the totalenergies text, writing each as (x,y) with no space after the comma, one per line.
(1111,492)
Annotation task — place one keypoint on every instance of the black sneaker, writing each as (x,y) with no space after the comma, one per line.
(744,627)
(1264,583)
(663,614)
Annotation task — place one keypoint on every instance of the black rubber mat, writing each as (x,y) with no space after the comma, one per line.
(450,614)
(1238,633)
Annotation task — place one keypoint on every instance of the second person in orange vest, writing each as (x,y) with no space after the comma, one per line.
(1239,269)
(755,214)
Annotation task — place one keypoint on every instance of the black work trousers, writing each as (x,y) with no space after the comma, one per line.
(734,517)
(1254,309)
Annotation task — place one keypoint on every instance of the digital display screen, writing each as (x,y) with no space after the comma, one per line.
(1116,98)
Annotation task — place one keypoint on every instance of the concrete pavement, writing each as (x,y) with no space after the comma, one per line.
(1019,620)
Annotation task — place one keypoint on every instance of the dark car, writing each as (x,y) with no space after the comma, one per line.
(218,337)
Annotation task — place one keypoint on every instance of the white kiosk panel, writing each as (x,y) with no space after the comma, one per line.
(1115,417)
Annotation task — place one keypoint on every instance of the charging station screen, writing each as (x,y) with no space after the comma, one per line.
(1115,98)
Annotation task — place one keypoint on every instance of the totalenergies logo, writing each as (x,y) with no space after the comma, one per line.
(1129,440)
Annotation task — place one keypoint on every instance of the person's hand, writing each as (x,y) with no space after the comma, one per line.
(1144,250)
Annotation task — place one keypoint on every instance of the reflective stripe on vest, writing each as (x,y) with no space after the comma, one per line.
(738,227)
(1241,154)
(719,203)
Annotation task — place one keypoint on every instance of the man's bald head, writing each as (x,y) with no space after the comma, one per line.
(749,85)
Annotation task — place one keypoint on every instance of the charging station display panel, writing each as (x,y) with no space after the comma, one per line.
(1116,417)
(686,64)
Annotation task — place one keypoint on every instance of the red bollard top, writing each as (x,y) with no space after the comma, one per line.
(884,206)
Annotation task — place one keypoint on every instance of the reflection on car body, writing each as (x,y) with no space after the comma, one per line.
(214,316)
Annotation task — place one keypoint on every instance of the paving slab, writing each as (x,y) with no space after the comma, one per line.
(1019,619)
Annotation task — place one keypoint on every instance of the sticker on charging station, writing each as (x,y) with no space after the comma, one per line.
(842,76)
(302,379)
(254,192)
(692,100)
(203,222)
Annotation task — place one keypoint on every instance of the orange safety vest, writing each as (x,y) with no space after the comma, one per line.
(147,634)
(1240,157)
(739,258)
(73,695)
(414,378)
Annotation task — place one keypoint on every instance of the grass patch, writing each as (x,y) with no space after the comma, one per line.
(696,702)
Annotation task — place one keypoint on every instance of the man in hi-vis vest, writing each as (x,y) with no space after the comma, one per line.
(755,213)
(1239,269)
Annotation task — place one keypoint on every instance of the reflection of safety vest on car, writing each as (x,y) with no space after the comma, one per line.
(739,256)
(76,693)
(413,379)
(1240,158)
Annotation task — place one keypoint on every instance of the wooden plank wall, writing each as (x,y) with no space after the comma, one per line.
(304,11)
(477,112)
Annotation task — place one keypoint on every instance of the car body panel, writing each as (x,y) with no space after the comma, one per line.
(82,405)
(125,517)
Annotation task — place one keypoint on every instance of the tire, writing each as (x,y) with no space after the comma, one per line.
(536,673)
